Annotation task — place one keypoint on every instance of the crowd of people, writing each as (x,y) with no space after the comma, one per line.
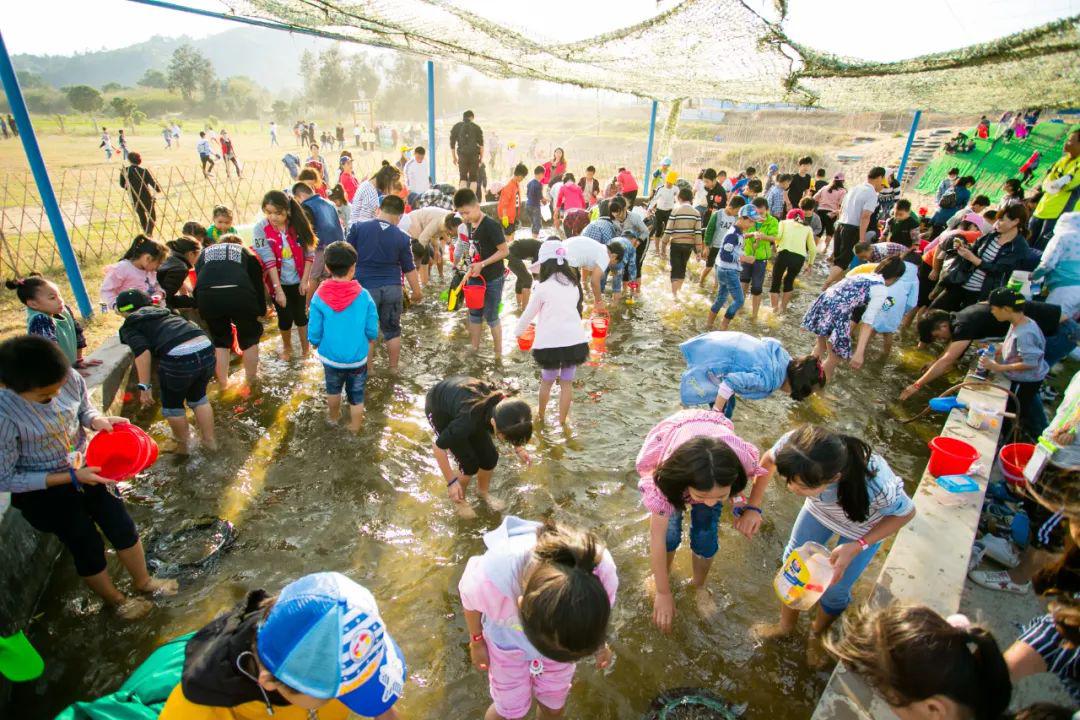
(335,264)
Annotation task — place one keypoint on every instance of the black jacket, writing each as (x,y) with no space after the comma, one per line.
(998,271)
(229,264)
(139,182)
(171,276)
(454,410)
(157,330)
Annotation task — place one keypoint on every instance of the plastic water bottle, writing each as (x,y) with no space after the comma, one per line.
(804,577)
(980,372)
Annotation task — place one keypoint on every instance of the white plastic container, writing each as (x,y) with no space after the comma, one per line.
(804,577)
(982,417)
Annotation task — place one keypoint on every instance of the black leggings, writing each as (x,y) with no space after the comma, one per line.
(631,197)
(75,517)
(295,310)
(954,298)
(680,255)
(828,222)
(524,278)
(660,219)
(786,268)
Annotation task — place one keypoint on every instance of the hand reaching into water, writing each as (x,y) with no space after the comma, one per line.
(663,610)
(478,653)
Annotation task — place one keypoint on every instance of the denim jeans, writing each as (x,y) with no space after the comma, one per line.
(1062,342)
(352,380)
(492,299)
(183,378)
(535,219)
(727,281)
(808,528)
(704,526)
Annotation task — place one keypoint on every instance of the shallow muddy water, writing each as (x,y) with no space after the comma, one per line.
(305,497)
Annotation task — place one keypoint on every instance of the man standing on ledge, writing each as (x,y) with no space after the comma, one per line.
(466,149)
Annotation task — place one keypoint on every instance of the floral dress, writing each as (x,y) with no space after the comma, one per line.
(830,315)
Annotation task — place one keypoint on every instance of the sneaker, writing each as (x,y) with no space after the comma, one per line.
(977,552)
(1000,550)
(1048,394)
(998,580)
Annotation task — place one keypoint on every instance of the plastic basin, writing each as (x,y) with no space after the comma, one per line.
(1014,457)
(949,456)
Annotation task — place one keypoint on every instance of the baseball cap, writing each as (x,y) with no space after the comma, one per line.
(796,213)
(666,161)
(749,211)
(324,638)
(1004,297)
(131,300)
(550,250)
(838,176)
(773,167)
(978,221)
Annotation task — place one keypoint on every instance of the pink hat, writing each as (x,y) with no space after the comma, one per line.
(796,213)
(978,221)
(838,176)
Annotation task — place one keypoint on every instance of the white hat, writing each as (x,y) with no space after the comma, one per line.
(550,250)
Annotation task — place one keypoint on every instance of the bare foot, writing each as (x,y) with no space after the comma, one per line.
(770,631)
(706,605)
(209,444)
(159,586)
(494,503)
(464,510)
(134,609)
(817,657)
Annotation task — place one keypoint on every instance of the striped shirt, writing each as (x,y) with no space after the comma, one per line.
(887,499)
(364,204)
(684,226)
(988,254)
(1043,637)
(35,437)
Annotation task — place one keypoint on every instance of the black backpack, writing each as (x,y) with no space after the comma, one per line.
(948,200)
(469,138)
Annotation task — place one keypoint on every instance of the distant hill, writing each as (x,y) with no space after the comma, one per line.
(268,57)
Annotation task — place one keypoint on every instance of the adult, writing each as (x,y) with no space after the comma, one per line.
(231,297)
(591,259)
(15,128)
(487,248)
(141,186)
(554,168)
(370,193)
(854,222)
(987,264)
(45,413)
(801,182)
(628,188)
(383,256)
(430,228)
(326,225)
(951,203)
(346,177)
(1059,267)
(417,172)
(466,149)
(829,199)
(1061,191)
(339,135)
(228,154)
(975,322)
(723,364)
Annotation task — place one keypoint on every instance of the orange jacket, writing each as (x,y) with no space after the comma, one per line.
(510,200)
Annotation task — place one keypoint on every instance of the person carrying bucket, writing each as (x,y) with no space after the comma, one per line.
(560,343)
(487,249)
(851,494)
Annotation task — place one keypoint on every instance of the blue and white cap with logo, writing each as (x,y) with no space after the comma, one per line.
(324,638)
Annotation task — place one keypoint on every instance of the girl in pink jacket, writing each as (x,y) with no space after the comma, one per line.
(137,270)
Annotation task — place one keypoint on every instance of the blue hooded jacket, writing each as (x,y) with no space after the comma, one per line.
(754,368)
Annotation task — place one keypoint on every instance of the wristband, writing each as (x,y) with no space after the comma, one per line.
(449,484)
(476,638)
(862,544)
(145,387)
(738,511)
(75,479)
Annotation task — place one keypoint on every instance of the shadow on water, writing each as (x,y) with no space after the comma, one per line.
(306,496)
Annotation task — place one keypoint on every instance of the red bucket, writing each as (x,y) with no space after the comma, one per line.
(122,453)
(191,277)
(474,294)
(1014,458)
(600,323)
(949,456)
(525,339)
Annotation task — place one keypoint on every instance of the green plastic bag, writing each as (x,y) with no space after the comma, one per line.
(143,694)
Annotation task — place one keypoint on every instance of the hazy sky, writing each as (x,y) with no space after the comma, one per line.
(858,28)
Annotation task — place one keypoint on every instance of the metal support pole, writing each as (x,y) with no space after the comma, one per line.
(907,148)
(431,117)
(41,178)
(648,152)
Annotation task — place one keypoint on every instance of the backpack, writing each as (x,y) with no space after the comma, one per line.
(948,200)
(469,138)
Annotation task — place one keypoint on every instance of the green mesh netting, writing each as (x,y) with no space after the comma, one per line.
(760,64)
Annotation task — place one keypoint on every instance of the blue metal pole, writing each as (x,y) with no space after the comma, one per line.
(648,151)
(41,178)
(431,116)
(907,148)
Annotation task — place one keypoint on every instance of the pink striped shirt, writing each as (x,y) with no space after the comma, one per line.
(672,432)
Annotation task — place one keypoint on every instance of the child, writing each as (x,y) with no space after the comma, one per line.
(196,232)
(487,249)
(683,232)
(510,202)
(923,665)
(622,261)
(534,198)
(49,317)
(691,458)
(186,364)
(863,251)
(902,227)
(173,274)
(206,155)
(758,252)
(590,186)
(341,204)
(851,493)
(465,413)
(221,224)
(795,245)
(285,244)
(535,603)
(137,270)
(290,656)
(720,221)
(728,265)
(569,198)
(310,176)
(561,342)
(660,207)
(343,324)
(45,413)
(1021,358)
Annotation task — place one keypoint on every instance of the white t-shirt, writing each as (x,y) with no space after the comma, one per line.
(417,176)
(584,252)
(862,198)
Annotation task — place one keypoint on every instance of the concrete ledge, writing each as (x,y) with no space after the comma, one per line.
(928,561)
(27,556)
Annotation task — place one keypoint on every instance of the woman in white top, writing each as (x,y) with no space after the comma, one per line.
(561,343)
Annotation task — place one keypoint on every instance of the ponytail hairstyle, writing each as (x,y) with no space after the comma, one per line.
(298,220)
(910,653)
(702,463)
(143,245)
(806,376)
(452,223)
(27,288)
(513,417)
(814,456)
(564,608)
(183,245)
(566,275)
(385,178)
(891,267)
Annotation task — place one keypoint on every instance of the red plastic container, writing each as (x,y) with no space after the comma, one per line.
(191,277)
(122,453)
(600,323)
(474,293)
(525,339)
(1014,458)
(949,456)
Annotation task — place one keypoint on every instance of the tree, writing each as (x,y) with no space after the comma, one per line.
(86,99)
(124,109)
(29,80)
(189,70)
(154,79)
(280,111)
(111,87)
(363,77)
